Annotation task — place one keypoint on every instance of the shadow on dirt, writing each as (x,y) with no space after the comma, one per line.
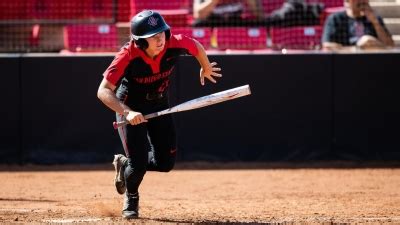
(201,165)
(25,200)
(166,221)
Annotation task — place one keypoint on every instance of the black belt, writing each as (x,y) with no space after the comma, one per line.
(155,96)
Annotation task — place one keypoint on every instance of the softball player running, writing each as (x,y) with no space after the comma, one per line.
(136,83)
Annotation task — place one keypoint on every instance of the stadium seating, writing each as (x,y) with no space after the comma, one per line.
(57,10)
(54,9)
(13,9)
(302,37)
(32,38)
(14,38)
(123,10)
(240,38)
(83,37)
(98,9)
(175,12)
(45,25)
(202,34)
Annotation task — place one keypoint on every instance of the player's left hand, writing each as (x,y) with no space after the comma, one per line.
(210,73)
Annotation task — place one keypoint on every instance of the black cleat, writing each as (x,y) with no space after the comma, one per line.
(131,206)
(119,180)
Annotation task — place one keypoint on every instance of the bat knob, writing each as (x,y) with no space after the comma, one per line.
(115,125)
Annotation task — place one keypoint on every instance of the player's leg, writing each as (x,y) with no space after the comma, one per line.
(136,145)
(163,139)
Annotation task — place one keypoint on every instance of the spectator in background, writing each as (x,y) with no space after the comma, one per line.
(295,13)
(233,13)
(226,12)
(357,26)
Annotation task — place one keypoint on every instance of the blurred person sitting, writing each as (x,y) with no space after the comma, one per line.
(213,13)
(357,26)
(295,13)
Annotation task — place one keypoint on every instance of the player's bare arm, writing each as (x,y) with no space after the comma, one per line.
(208,70)
(106,94)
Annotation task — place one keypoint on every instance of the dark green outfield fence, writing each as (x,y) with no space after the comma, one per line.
(303,107)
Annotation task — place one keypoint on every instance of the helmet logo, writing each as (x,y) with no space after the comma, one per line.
(152,21)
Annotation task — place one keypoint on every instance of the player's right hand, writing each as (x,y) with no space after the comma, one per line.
(135,118)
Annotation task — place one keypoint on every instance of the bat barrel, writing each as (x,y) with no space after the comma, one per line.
(198,103)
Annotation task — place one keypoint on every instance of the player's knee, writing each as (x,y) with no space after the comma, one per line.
(133,170)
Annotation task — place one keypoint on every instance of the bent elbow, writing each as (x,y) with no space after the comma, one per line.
(100,94)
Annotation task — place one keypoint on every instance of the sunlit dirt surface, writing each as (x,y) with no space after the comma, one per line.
(194,193)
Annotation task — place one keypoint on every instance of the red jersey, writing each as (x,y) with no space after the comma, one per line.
(136,75)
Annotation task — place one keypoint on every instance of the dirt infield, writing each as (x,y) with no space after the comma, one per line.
(70,194)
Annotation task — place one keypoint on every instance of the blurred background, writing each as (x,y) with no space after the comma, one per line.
(103,25)
(307,103)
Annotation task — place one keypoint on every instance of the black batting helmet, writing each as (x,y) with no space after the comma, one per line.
(146,24)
